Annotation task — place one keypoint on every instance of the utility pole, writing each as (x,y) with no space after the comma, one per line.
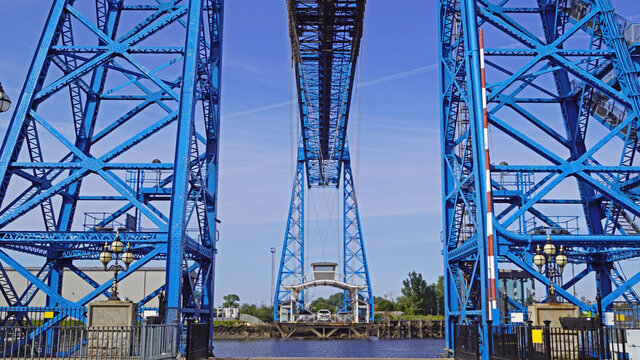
(273,270)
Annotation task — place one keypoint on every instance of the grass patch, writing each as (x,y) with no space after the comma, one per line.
(227,322)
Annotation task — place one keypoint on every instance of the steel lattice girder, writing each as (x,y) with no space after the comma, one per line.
(106,79)
(355,268)
(562,104)
(291,270)
(325,39)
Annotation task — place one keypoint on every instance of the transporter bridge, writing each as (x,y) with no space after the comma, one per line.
(325,42)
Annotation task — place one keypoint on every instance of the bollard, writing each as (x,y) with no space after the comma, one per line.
(143,340)
(547,339)
(489,336)
(600,329)
(529,339)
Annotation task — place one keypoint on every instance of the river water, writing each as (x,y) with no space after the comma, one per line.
(373,348)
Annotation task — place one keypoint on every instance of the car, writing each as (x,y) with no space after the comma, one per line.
(323,315)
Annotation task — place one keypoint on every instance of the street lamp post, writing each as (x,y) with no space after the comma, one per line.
(105,257)
(273,270)
(547,257)
(5,102)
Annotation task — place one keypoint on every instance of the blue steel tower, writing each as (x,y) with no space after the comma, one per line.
(116,128)
(539,119)
(325,41)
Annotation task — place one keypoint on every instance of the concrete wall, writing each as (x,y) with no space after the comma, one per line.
(133,288)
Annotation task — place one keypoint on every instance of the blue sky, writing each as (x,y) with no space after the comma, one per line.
(394,137)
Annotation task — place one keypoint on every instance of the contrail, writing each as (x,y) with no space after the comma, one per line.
(400,75)
(380,80)
(257,110)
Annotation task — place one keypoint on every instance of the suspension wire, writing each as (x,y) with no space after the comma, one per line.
(325,235)
(333,217)
(339,223)
(315,231)
(293,124)
(358,118)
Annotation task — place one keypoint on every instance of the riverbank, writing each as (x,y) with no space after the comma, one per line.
(243,331)
(392,330)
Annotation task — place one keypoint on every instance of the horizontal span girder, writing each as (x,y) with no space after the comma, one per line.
(325,40)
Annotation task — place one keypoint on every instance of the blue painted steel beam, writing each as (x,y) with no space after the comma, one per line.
(325,41)
(355,266)
(181,164)
(184,81)
(291,270)
(592,78)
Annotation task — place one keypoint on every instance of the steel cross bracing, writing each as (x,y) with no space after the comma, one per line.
(325,41)
(355,266)
(562,98)
(355,269)
(113,86)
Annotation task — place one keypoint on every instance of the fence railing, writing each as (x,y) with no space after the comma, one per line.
(628,318)
(526,342)
(145,342)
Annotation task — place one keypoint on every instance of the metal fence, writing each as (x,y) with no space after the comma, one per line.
(628,318)
(526,342)
(197,341)
(145,342)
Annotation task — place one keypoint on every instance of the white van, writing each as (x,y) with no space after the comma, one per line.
(323,315)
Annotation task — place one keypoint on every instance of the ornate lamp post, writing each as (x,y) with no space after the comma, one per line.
(547,257)
(5,102)
(105,257)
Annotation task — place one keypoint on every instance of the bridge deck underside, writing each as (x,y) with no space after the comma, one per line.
(325,39)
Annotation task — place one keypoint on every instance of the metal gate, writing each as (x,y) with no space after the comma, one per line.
(197,341)
(466,342)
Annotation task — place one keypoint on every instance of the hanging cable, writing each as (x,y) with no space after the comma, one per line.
(293,124)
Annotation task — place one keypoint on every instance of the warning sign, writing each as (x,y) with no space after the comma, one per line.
(536,336)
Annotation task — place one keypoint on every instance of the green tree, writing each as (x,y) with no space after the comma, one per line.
(333,303)
(440,296)
(264,313)
(382,304)
(418,297)
(414,295)
(230,300)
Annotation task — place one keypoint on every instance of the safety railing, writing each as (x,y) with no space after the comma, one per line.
(555,225)
(98,221)
(144,342)
(528,342)
(626,317)
(329,318)
(11,316)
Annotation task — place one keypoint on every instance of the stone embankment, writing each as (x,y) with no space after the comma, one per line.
(242,330)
